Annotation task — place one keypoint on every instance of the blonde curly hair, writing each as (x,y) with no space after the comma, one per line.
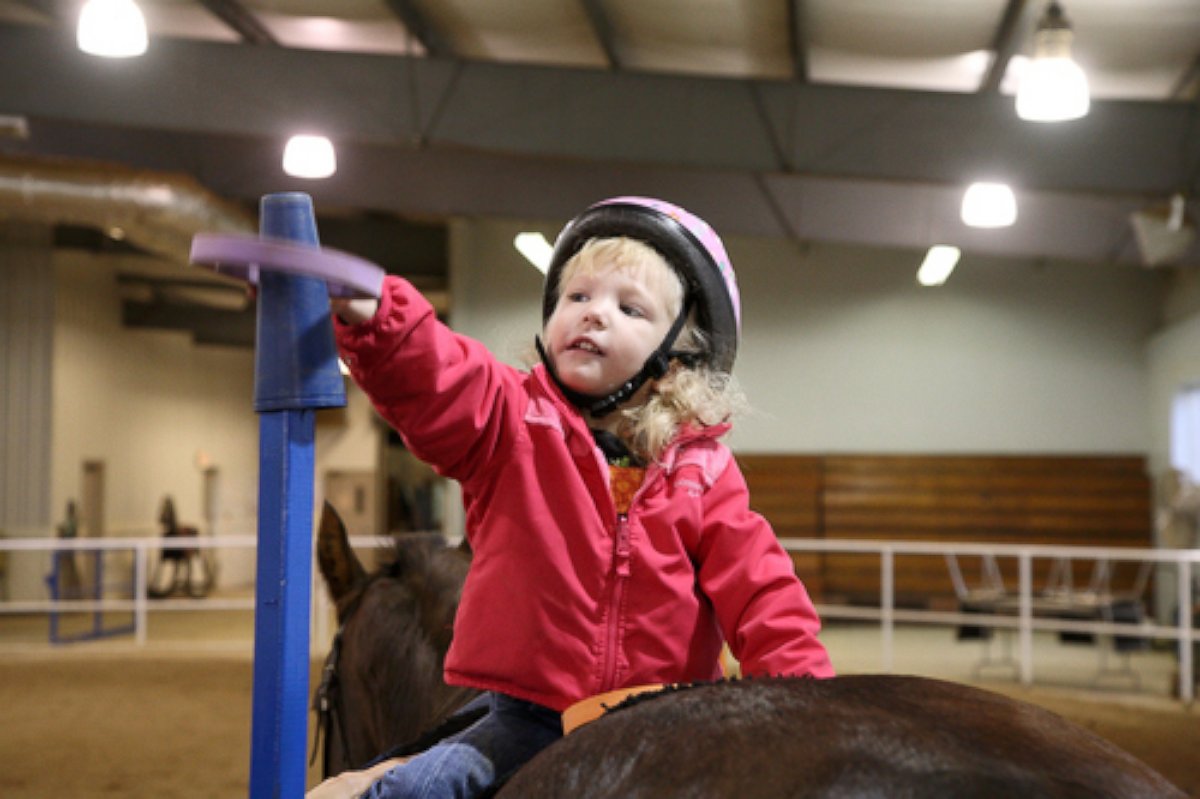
(695,396)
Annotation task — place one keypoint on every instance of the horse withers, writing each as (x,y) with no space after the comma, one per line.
(854,736)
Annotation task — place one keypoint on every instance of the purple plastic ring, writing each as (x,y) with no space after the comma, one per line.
(243,257)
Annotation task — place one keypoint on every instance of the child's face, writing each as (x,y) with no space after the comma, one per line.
(608,321)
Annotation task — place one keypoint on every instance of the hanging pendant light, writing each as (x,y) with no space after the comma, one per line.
(309,156)
(1053,87)
(989,205)
(112,29)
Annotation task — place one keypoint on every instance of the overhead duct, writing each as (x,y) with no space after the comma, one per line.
(158,212)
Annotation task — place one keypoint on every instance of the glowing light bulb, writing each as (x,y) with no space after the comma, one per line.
(1053,90)
(989,205)
(1053,87)
(112,29)
(307,156)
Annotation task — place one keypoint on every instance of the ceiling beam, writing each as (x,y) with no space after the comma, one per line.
(420,28)
(798,39)
(529,111)
(241,21)
(435,182)
(50,9)
(1004,45)
(1187,88)
(514,141)
(602,27)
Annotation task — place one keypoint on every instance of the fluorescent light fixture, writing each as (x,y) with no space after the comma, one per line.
(1053,87)
(989,205)
(111,28)
(535,248)
(938,264)
(307,156)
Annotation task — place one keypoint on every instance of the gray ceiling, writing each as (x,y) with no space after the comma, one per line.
(829,120)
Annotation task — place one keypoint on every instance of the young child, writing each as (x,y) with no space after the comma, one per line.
(612,537)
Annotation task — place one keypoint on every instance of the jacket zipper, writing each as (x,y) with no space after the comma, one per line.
(621,558)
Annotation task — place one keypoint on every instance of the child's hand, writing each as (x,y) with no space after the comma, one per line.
(352,784)
(354,312)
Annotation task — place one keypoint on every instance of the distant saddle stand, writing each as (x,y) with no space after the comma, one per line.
(180,570)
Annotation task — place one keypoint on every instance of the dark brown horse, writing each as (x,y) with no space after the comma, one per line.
(855,736)
(382,684)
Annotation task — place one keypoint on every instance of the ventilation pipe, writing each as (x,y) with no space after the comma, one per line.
(157,212)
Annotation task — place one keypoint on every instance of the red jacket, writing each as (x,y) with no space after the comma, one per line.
(566,599)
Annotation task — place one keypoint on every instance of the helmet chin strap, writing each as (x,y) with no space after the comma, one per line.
(654,368)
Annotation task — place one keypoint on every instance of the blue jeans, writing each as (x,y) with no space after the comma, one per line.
(476,758)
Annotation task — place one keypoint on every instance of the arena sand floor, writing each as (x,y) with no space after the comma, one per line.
(172,719)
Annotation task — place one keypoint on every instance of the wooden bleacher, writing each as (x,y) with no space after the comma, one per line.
(1052,499)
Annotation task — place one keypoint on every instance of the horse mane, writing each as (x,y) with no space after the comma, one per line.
(674,688)
(647,696)
(428,572)
(432,573)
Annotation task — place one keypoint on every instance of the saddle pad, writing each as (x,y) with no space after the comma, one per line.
(594,707)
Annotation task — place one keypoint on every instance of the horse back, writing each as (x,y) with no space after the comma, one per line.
(857,736)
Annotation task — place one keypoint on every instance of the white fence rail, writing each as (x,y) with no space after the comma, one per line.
(1025,619)
(139,602)
(1021,616)
(144,552)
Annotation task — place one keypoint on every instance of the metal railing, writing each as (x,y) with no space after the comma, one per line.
(1023,618)
(139,602)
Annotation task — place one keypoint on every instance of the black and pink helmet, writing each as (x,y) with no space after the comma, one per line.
(685,241)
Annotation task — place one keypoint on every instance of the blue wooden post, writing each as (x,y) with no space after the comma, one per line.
(295,372)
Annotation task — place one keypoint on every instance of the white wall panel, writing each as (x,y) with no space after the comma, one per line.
(844,352)
(155,407)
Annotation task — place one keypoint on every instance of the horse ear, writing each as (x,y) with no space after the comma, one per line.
(339,565)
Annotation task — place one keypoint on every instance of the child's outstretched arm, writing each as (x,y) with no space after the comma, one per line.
(448,397)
